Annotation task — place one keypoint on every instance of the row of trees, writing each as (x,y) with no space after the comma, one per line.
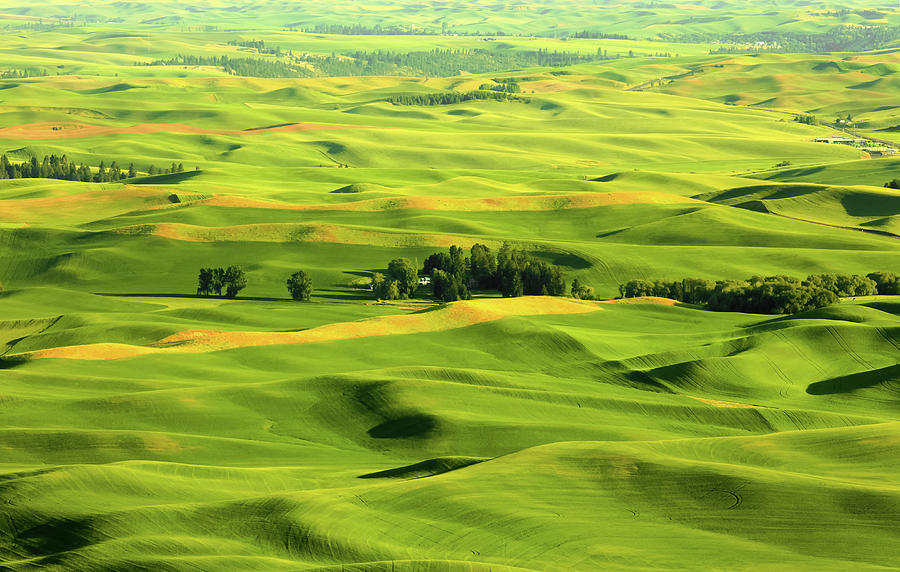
(451,97)
(596,35)
(766,295)
(179,168)
(445,62)
(59,167)
(434,63)
(806,119)
(56,167)
(233,279)
(258,45)
(23,73)
(504,84)
(245,67)
(378,30)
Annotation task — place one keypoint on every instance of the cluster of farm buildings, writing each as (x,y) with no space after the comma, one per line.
(862,144)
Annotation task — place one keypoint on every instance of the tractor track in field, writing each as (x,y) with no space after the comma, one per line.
(847,348)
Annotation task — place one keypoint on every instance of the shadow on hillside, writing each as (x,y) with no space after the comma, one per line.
(427,468)
(166,179)
(198,296)
(852,382)
(9,363)
(323,294)
(415,425)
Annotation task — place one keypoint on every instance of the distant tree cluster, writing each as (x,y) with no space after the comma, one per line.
(512,272)
(452,275)
(441,62)
(434,63)
(895,184)
(765,295)
(806,119)
(245,67)
(56,167)
(376,30)
(505,85)
(214,280)
(153,170)
(231,280)
(450,97)
(23,73)
(597,35)
(258,45)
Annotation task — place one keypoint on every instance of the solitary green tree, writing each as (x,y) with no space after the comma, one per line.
(300,286)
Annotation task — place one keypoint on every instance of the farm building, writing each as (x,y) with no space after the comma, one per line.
(880,151)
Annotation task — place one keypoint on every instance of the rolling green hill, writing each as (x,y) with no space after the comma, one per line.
(146,427)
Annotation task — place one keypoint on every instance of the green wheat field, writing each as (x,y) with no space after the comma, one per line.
(144,426)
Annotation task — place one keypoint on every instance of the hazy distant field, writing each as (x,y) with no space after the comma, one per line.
(147,428)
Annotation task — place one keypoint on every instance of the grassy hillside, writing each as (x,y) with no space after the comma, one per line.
(147,427)
(248,466)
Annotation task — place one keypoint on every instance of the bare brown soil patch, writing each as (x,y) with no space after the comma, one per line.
(643,300)
(88,205)
(456,315)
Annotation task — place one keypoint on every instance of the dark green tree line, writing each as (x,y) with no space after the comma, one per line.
(451,97)
(887,283)
(59,167)
(597,35)
(258,45)
(512,272)
(214,280)
(765,295)
(245,67)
